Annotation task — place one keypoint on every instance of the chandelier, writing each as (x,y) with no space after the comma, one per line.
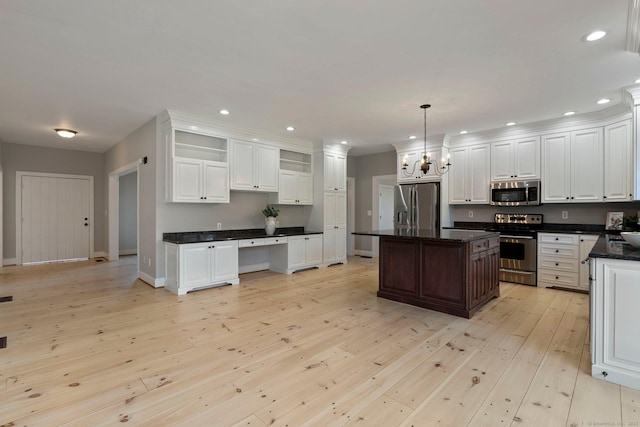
(425,161)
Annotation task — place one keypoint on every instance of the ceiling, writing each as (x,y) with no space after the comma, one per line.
(336,70)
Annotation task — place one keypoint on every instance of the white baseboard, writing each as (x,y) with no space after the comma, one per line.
(253,267)
(9,261)
(100,254)
(155,282)
(133,251)
(363,253)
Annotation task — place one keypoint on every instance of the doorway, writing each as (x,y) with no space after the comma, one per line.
(114,209)
(128,214)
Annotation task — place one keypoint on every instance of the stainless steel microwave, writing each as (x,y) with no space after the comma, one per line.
(515,193)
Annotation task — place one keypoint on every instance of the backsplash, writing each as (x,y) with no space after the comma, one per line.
(577,213)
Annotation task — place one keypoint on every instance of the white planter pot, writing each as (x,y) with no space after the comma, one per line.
(270,225)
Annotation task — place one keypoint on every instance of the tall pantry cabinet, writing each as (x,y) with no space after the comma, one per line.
(329,213)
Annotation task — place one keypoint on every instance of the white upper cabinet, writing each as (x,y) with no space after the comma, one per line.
(254,167)
(618,162)
(572,167)
(469,175)
(198,169)
(515,159)
(296,179)
(335,172)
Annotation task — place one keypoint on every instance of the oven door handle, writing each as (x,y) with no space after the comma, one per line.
(516,237)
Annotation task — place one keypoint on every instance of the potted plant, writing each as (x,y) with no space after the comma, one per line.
(270,212)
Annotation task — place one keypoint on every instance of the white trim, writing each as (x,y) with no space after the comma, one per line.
(132,251)
(99,254)
(351,214)
(253,267)
(19,175)
(114,206)
(1,216)
(9,261)
(375,190)
(156,283)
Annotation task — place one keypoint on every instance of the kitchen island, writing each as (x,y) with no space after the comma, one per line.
(451,271)
(615,296)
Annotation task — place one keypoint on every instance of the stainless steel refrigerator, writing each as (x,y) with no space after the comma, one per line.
(417,206)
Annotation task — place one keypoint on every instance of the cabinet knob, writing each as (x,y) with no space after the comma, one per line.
(604,197)
(205,197)
(571,197)
(557,251)
(556,238)
(556,277)
(567,197)
(556,264)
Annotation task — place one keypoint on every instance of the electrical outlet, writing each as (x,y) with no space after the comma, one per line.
(565,214)
(470,214)
(368,213)
(219,226)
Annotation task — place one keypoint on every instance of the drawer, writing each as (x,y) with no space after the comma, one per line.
(558,250)
(275,240)
(479,245)
(562,239)
(247,243)
(494,242)
(555,278)
(557,264)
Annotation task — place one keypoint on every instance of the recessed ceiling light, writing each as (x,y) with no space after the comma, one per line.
(290,128)
(224,112)
(254,139)
(193,127)
(604,101)
(569,113)
(66,133)
(412,137)
(637,81)
(344,142)
(462,132)
(596,35)
(511,123)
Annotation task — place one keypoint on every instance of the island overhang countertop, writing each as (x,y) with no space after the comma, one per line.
(452,235)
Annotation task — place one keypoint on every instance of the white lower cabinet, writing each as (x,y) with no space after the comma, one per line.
(304,252)
(615,347)
(560,260)
(335,245)
(199,265)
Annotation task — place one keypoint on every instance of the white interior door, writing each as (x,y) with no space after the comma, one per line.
(56,218)
(385,207)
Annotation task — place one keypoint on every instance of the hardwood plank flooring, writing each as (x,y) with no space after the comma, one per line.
(89,345)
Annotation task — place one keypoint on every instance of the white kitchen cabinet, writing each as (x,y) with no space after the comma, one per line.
(618,162)
(197,167)
(335,172)
(195,266)
(254,166)
(560,258)
(335,228)
(516,159)
(304,252)
(200,181)
(572,167)
(469,175)
(295,188)
(615,347)
(417,155)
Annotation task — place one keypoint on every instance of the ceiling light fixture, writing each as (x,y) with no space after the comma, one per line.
(66,133)
(412,137)
(604,101)
(569,113)
(463,132)
(595,35)
(344,142)
(290,128)
(426,158)
(224,112)
(637,81)
(511,123)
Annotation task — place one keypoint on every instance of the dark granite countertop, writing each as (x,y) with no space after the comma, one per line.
(615,247)
(422,234)
(546,228)
(212,236)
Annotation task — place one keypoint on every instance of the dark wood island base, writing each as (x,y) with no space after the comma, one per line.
(452,272)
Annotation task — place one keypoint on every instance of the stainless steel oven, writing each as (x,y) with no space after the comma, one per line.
(518,246)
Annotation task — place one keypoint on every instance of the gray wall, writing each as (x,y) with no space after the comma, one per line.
(128,214)
(363,169)
(29,158)
(579,213)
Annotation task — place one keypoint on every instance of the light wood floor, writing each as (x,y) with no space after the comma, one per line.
(89,345)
